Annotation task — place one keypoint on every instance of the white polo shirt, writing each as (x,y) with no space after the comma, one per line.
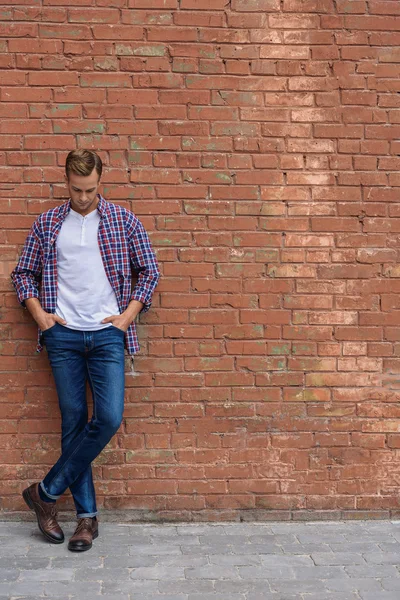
(84,294)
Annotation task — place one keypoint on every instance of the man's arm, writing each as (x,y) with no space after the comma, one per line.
(145,262)
(26,275)
(26,279)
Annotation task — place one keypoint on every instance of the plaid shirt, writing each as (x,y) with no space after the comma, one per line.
(122,241)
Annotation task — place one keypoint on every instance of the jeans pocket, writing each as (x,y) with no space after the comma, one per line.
(49,328)
(118,329)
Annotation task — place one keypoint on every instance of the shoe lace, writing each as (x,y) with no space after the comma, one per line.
(84,523)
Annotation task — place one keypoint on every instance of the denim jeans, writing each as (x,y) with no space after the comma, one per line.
(75,357)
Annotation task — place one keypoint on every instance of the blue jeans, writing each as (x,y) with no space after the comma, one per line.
(75,357)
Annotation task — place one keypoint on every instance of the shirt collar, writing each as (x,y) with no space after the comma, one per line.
(66,207)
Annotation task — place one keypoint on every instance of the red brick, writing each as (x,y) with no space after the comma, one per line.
(77,15)
(372,23)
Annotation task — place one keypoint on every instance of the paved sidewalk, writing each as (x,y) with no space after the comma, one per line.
(320,560)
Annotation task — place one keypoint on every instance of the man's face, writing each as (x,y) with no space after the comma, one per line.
(83,192)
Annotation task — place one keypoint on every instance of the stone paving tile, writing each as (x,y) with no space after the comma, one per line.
(234,540)
(47,575)
(366,572)
(25,597)
(270,560)
(182,540)
(182,561)
(153,561)
(329,596)
(260,549)
(337,558)
(275,538)
(297,548)
(352,584)
(8,574)
(158,573)
(390,583)
(101,574)
(205,529)
(271,596)
(187,587)
(382,595)
(74,560)
(322,536)
(328,573)
(323,560)
(392,541)
(234,559)
(162,597)
(13,550)
(265,573)
(212,572)
(90,596)
(137,587)
(21,562)
(293,586)
(206,550)
(357,547)
(217,596)
(62,588)
(154,549)
(222,586)
(21,588)
(380,558)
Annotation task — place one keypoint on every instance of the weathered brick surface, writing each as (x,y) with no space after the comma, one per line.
(258,142)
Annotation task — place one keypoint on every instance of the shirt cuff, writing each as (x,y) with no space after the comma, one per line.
(25,296)
(141,296)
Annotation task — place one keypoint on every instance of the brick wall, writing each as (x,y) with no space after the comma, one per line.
(258,142)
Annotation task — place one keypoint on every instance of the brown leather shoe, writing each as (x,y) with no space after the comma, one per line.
(46,514)
(86,531)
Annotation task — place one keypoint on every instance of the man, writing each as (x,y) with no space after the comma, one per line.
(74,277)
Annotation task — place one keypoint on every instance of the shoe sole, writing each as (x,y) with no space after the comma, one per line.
(28,500)
(83,548)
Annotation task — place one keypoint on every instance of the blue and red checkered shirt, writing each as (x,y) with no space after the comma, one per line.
(123,243)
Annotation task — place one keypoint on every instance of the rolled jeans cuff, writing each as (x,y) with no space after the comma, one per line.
(46,493)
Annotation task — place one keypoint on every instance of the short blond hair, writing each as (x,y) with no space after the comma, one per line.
(82,162)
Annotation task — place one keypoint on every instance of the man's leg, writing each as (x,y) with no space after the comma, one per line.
(104,350)
(69,369)
(66,352)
